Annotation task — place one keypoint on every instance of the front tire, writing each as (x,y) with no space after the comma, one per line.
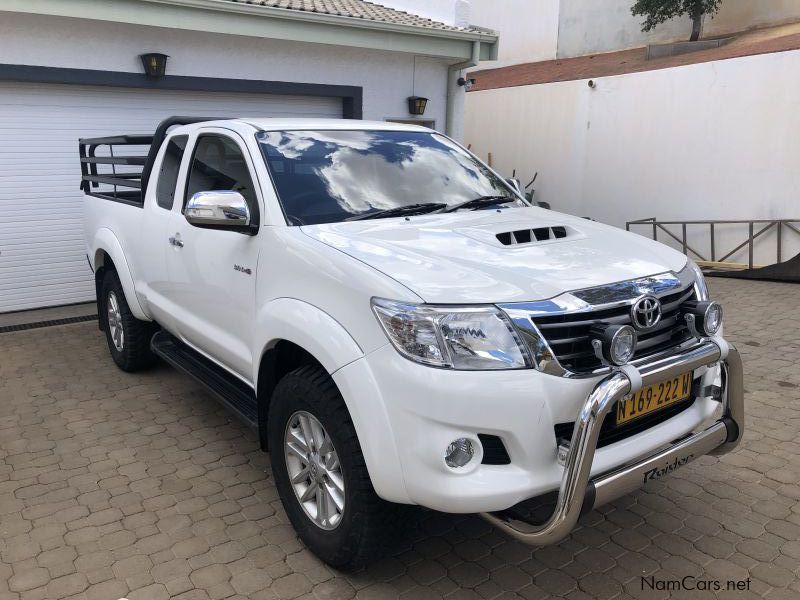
(320,471)
(128,338)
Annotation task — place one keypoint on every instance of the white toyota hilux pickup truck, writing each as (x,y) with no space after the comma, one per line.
(399,325)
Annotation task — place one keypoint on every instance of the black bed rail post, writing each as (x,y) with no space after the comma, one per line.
(158,138)
(84,167)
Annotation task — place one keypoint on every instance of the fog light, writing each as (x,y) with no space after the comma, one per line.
(704,318)
(614,344)
(459,453)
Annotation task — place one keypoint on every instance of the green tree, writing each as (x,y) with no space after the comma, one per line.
(659,11)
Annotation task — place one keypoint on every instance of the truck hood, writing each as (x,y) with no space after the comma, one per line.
(475,257)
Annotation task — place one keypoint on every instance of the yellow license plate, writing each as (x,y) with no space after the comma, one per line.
(653,398)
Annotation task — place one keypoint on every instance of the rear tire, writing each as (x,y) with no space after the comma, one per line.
(352,536)
(128,338)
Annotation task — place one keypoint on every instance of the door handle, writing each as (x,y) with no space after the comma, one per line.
(176,242)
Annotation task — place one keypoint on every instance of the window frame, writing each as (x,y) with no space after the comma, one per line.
(176,186)
(289,219)
(255,205)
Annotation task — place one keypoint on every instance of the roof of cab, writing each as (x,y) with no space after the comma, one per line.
(277,124)
(301,124)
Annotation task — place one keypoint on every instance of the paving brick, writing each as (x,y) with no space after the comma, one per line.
(210,575)
(28,580)
(190,547)
(130,566)
(56,556)
(251,581)
(773,575)
(170,570)
(155,591)
(228,552)
(179,585)
(69,585)
(291,586)
(107,590)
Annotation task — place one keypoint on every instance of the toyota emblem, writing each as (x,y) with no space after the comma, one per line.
(646,312)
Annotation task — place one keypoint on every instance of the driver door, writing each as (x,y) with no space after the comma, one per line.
(212,272)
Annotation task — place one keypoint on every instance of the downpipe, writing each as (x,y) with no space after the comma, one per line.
(452,86)
(577,494)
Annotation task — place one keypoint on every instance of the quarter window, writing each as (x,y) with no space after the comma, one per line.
(219,164)
(168,175)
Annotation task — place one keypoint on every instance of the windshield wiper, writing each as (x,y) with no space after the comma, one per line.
(398,211)
(479,203)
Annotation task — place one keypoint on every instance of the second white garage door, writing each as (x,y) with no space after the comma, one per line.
(42,255)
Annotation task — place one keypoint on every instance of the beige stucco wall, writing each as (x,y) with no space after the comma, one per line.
(715,140)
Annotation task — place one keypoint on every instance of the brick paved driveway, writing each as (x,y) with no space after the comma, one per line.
(117,485)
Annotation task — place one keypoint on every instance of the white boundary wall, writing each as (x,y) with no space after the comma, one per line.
(589,26)
(528,28)
(534,30)
(716,140)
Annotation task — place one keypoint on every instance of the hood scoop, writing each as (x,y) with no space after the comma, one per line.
(534,235)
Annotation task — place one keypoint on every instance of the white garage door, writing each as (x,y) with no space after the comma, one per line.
(42,253)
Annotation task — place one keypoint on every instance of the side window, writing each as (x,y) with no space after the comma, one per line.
(168,175)
(218,164)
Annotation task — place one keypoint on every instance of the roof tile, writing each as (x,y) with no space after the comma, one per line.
(359,9)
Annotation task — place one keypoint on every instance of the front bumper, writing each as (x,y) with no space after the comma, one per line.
(579,492)
(406,414)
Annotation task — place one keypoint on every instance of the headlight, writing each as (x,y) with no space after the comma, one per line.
(466,338)
(700,286)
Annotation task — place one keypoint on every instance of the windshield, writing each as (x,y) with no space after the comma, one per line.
(330,176)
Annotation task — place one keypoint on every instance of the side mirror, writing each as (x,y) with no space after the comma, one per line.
(219,209)
(514,183)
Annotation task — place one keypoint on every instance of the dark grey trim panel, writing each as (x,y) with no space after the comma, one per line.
(351,95)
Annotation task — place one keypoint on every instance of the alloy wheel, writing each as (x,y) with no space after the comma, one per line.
(115,322)
(314,470)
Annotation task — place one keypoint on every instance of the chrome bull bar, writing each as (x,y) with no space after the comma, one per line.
(579,494)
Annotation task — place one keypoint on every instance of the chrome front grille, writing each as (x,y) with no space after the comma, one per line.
(568,334)
(556,330)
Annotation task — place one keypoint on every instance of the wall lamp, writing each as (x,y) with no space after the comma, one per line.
(417,104)
(155,64)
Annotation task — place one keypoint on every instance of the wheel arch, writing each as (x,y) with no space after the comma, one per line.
(282,358)
(296,333)
(303,334)
(108,254)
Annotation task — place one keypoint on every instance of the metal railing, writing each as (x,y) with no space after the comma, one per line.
(764,226)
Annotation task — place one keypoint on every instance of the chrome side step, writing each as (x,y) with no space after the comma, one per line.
(233,393)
